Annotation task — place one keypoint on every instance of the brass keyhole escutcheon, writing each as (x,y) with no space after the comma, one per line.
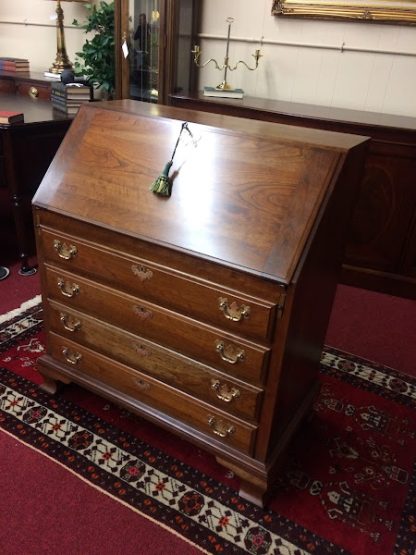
(141,272)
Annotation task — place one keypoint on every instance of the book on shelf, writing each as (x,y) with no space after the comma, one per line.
(78,97)
(227,93)
(70,100)
(73,100)
(68,110)
(13,59)
(67,106)
(14,64)
(11,117)
(64,106)
(72,90)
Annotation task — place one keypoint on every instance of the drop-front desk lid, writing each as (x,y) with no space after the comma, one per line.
(245,193)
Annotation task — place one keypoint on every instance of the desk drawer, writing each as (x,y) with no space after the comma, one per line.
(203,382)
(7,86)
(238,313)
(34,90)
(213,346)
(210,421)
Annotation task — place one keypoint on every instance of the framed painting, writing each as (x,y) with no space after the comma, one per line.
(381,11)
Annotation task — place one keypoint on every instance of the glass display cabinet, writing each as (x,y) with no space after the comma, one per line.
(154,39)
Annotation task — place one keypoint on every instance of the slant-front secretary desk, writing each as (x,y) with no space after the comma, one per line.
(204,312)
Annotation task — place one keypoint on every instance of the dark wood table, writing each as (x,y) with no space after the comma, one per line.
(31,83)
(26,150)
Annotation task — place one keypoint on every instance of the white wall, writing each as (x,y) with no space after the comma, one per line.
(359,80)
(27,30)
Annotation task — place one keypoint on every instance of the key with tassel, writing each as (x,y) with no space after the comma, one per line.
(163,184)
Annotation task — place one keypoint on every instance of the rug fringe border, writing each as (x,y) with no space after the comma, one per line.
(22,308)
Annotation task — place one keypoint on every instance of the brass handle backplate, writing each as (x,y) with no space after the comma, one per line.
(224,392)
(141,272)
(219,427)
(67,289)
(64,251)
(141,384)
(70,323)
(232,311)
(141,350)
(142,312)
(229,353)
(71,356)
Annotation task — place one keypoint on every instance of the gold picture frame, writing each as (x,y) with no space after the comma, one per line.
(382,11)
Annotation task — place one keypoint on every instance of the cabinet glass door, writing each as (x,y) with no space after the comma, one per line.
(144,32)
(154,40)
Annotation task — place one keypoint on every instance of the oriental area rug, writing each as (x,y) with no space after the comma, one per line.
(348,484)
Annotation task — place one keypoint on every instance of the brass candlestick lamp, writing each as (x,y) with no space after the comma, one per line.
(61,61)
(226,66)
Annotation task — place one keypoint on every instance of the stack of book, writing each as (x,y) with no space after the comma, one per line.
(14,64)
(68,98)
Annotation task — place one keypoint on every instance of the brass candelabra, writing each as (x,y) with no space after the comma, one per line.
(226,66)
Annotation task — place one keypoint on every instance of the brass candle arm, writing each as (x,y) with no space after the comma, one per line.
(197,54)
(226,66)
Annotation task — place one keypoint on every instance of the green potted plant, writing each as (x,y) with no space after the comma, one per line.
(96,61)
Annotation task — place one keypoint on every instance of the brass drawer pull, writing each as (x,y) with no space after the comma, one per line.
(141,272)
(141,384)
(233,311)
(67,289)
(219,427)
(33,92)
(71,356)
(142,312)
(229,353)
(224,392)
(64,251)
(69,322)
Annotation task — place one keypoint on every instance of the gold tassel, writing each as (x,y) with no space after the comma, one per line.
(163,184)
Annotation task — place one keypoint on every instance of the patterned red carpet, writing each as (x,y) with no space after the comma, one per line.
(348,486)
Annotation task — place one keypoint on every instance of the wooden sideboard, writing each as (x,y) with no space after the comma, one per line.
(26,150)
(381,246)
(204,312)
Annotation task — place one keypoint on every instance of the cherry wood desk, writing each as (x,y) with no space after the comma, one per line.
(26,150)
(381,246)
(204,312)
